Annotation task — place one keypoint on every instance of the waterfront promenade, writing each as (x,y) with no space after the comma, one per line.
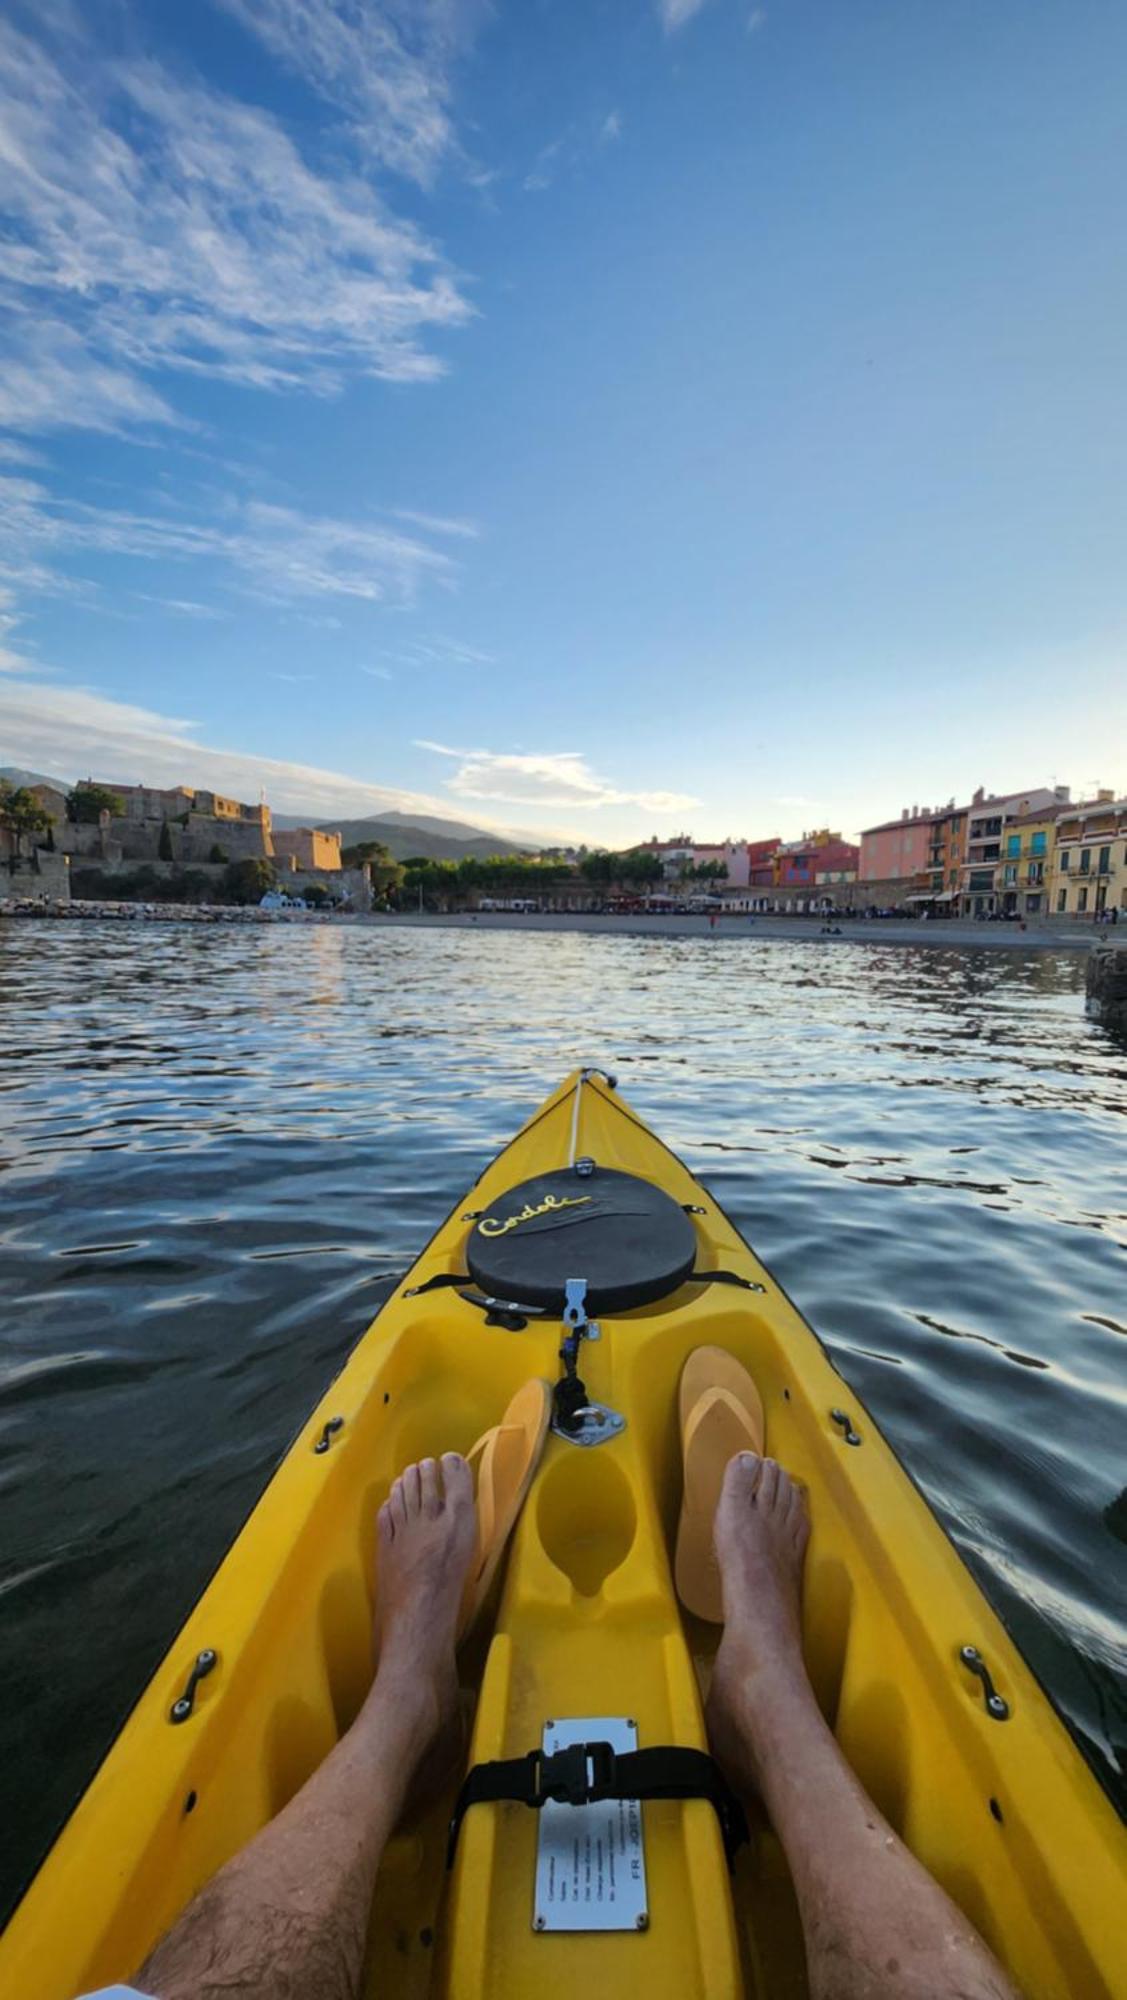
(849,930)
(951,933)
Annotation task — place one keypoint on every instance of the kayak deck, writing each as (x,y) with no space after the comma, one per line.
(1004,1812)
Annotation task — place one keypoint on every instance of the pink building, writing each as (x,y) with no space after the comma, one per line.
(898,848)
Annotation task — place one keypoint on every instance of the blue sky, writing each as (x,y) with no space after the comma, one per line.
(590,418)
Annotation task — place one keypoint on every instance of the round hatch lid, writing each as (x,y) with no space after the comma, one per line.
(628,1238)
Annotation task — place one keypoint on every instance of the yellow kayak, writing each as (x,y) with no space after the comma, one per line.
(587,1232)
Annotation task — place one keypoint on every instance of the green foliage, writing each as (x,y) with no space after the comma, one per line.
(635,867)
(386,872)
(247,881)
(164,844)
(21,815)
(315,894)
(516,875)
(87,802)
(216,854)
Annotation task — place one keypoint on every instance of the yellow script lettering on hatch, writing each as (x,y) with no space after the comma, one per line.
(490,1226)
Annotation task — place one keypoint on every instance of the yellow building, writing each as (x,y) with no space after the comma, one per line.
(1089,875)
(1023,875)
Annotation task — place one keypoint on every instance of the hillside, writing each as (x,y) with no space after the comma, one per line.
(16,777)
(436,839)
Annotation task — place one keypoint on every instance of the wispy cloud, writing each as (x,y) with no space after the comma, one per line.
(155,224)
(673,14)
(74,731)
(543,170)
(386,67)
(547,779)
(184,607)
(611,127)
(378,673)
(756,20)
(438,524)
(275,552)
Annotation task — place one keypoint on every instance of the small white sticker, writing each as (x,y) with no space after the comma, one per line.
(590,1860)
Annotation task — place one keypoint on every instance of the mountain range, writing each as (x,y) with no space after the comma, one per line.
(407,836)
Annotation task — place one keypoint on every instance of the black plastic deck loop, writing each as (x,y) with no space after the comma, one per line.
(996,1705)
(843,1418)
(203,1665)
(332,1426)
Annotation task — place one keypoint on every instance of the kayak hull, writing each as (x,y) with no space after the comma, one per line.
(584,1621)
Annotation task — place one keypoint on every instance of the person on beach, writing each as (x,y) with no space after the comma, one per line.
(288,1916)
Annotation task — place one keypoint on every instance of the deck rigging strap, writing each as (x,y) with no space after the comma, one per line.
(584,1076)
(583,1773)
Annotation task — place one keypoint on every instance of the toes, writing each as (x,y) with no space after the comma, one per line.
(741,1478)
(385,1523)
(397,1502)
(412,1490)
(767,1491)
(457,1480)
(428,1487)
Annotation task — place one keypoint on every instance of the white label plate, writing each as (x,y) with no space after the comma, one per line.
(590,1860)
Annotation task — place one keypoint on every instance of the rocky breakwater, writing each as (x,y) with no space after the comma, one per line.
(132,913)
(1107,983)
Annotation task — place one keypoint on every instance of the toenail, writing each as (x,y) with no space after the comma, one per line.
(747,1458)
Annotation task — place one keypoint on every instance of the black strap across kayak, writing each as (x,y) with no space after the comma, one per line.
(450,1280)
(584,1773)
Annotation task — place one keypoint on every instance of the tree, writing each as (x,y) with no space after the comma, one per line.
(216,854)
(164,844)
(21,816)
(315,894)
(711,871)
(640,865)
(88,802)
(385,871)
(247,881)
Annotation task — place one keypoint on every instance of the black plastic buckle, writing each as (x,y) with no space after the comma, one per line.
(575,1776)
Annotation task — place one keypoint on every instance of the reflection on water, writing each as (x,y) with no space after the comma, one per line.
(218,1149)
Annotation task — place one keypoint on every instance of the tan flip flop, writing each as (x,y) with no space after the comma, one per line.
(507,1456)
(721,1414)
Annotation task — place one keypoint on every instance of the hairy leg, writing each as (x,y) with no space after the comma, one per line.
(288,1916)
(876,1925)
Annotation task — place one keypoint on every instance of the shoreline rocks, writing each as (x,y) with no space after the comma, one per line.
(1106,982)
(78,911)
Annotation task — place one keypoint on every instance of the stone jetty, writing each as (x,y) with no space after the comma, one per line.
(1107,983)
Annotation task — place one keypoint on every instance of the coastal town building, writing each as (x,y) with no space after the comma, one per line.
(761,863)
(808,874)
(1024,873)
(1088,872)
(980,885)
(949,860)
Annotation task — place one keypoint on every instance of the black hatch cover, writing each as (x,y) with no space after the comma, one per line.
(628,1238)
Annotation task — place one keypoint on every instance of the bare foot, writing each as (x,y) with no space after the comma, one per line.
(426,1532)
(760,1534)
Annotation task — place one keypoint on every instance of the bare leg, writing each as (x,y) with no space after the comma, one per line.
(289,1915)
(876,1924)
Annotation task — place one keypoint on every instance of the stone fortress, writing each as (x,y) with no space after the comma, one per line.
(196,829)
